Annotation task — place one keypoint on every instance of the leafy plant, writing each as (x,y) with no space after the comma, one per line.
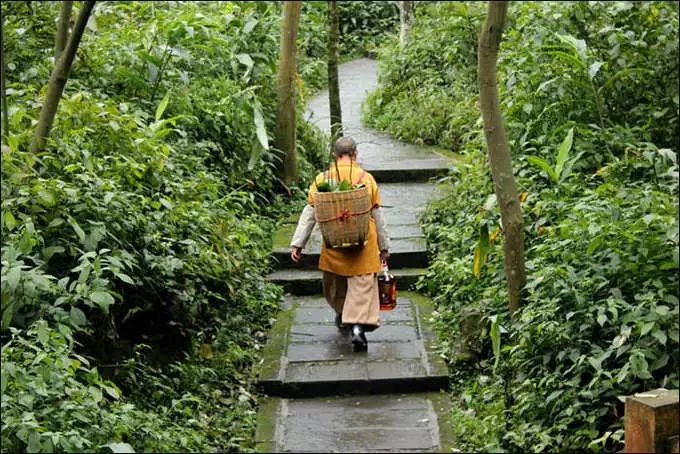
(562,163)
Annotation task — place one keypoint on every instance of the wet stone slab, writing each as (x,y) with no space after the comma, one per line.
(379,351)
(312,357)
(377,151)
(376,423)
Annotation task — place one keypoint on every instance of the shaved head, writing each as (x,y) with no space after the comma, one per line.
(345,146)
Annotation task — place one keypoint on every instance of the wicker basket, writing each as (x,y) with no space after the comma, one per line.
(343,217)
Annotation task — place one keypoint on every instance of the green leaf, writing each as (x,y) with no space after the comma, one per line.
(77,317)
(647,327)
(7,315)
(601,319)
(594,68)
(246,60)
(639,366)
(495,334)
(48,252)
(482,250)
(118,447)
(540,162)
(10,221)
(563,153)
(260,128)
(112,391)
(161,107)
(26,242)
(661,310)
(125,278)
(47,198)
(660,336)
(12,277)
(102,299)
(596,363)
(33,442)
(78,230)
(43,333)
(250,24)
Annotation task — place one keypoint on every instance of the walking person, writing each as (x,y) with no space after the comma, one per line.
(349,274)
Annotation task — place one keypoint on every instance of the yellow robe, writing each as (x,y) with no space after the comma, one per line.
(351,261)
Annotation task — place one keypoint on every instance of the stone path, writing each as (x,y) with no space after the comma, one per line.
(321,396)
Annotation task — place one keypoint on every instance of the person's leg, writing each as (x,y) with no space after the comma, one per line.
(361,303)
(334,290)
(361,308)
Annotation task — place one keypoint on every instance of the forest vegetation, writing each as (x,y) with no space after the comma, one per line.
(136,242)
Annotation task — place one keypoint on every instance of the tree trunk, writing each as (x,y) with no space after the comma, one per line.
(499,157)
(333,83)
(3,81)
(58,78)
(406,19)
(285,99)
(62,29)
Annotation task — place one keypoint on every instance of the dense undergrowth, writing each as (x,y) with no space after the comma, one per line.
(135,246)
(598,81)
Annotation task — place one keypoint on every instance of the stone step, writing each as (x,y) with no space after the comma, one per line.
(308,282)
(376,423)
(409,171)
(307,356)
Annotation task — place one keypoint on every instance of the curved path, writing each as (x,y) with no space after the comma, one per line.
(321,396)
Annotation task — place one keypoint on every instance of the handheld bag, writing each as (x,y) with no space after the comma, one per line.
(343,217)
(387,289)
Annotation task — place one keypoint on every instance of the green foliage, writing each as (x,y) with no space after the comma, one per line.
(429,79)
(364,26)
(589,96)
(53,399)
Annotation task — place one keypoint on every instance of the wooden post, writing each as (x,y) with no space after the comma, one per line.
(651,421)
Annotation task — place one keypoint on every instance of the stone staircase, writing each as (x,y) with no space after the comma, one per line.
(320,395)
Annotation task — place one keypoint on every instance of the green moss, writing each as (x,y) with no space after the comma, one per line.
(267,420)
(276,345)
(283,236)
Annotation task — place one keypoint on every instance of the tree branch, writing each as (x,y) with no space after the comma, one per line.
(58,78)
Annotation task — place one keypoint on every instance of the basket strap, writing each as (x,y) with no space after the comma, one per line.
(344,215)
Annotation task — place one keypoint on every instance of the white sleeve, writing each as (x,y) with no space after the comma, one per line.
(304,228)
(383,237)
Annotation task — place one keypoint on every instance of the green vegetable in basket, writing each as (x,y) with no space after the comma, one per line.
(345,186)
(327,186)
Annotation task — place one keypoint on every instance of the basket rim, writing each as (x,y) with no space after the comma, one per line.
(365,188)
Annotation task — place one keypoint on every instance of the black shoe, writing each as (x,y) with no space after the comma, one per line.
(344,329)
(359,339)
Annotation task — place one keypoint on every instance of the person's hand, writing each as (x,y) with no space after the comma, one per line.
(384,255)
(295,253)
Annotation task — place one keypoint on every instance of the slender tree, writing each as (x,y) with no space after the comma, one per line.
(62,28)
(333,83)
(285,99)
(59,77)
(3,90)
(406,19)
(499,157)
